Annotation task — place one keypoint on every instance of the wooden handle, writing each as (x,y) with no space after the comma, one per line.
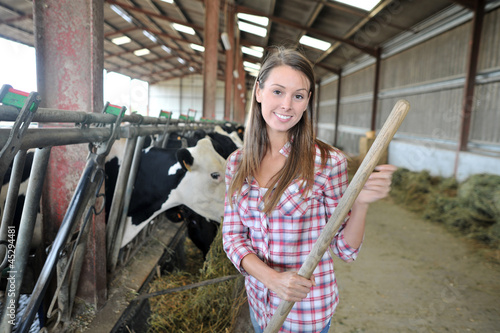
(371,159)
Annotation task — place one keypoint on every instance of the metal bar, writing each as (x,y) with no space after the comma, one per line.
(84,189)
(114,214)
(187,287)
(373,125)
(337,109)
(11,201)
(44,137)
(22,121)
(25,234)
(315,115)
(470,79)
(126,201)
(470,82)
(118,195)
(9,113)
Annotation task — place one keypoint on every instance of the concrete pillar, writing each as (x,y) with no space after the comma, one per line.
(210,60)
(69,52)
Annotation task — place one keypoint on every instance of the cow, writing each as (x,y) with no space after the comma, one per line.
(233,135)
(178,140)
(201,230)
(230,128)
(168,178)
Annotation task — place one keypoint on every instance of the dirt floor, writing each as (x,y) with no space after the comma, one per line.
(413,275)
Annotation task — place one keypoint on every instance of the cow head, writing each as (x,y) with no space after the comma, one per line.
(202,188)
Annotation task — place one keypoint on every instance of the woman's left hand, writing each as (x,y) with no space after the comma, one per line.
(378,184)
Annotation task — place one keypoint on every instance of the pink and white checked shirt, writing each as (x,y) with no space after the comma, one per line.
(284,238)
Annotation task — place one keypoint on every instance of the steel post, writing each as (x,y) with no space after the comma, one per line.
(24,236)
(126,201)
(85,188)
(116,206)
(9,208)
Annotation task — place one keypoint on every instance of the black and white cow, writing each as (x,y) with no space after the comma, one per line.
(233,135)
(169,178)
(201,230)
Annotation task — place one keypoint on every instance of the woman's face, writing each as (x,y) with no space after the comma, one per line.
(283,98)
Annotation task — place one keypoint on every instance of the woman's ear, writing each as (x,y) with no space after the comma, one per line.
(258,92)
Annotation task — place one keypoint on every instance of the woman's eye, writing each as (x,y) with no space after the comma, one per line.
(299,97)
(277,92)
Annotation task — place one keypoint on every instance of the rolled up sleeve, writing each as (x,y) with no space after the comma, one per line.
(334,188)
(235,239)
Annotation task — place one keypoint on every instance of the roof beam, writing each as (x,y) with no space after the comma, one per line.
(153,14)
(357,28)
(469,4)
(329,68)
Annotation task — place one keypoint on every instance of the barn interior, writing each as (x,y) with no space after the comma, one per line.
(200,59)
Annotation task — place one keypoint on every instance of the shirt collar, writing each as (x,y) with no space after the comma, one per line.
(285,151)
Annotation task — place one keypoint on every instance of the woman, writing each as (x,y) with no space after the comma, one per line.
(281,189)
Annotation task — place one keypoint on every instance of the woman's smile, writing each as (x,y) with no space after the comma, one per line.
(282,116)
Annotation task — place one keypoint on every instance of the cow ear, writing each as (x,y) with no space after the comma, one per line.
(185,158)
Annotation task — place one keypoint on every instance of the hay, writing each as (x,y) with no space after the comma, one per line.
(211,308)
(471,208)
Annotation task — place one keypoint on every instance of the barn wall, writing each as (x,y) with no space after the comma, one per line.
(430,74)
(180,95)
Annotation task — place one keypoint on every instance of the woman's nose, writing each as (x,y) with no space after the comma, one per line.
(287,102)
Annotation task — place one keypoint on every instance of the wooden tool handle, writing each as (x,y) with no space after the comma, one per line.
(371,159)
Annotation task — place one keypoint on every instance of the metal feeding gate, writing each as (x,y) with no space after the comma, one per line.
(67,250)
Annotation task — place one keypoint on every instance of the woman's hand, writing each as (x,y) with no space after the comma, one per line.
(290,286)
(378,184)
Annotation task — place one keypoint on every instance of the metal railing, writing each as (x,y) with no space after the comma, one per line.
(67,251)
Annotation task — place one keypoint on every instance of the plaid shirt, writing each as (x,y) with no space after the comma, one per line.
(284,238)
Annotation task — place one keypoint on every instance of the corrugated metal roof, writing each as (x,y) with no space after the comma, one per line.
(351,31)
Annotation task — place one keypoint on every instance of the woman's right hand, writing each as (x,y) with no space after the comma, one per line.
(290,286)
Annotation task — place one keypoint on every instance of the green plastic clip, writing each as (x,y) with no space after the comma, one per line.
(165,114)
(113,109)
(13,97)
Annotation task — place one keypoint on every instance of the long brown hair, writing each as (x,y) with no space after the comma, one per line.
(300,162)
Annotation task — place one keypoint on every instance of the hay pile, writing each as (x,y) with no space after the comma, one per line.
(210,308)
(471,208)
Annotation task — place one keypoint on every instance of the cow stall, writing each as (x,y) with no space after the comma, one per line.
(48,270)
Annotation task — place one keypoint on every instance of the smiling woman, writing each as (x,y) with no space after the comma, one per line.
(281,188)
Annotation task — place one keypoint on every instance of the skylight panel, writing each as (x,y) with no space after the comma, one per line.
(367,5)
(150,36)
(253,29)
(121,40)
(166,49)
(197,47)
(314,42)
(253,51)
(168,1)
(251,68)
(141,52)
(183,28)
(122,13)
(260,20)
